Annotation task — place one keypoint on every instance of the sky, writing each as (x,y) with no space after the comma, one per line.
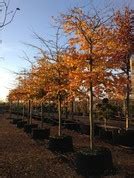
(34,16)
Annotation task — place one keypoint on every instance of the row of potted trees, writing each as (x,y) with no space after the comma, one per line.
(87,162)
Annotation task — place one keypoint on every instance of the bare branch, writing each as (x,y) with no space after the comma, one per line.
(26,58)
(5,8)
(45,42)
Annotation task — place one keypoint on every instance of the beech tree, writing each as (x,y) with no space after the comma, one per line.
(53,71)
(95,41)
(124,38)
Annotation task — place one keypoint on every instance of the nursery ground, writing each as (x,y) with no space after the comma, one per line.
(21,156)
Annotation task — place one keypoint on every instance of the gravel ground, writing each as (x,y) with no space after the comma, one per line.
(21,156)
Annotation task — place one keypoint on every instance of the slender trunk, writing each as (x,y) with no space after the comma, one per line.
(127,109)
(30,113)
(42,121)
(66,112)
(10,109)
(23,115)
(106,118)
(105,123)
(59,114)
(29,106)
(128,98)
(91,116)
(49,110)
(18,108)
(91,109)
(72,110)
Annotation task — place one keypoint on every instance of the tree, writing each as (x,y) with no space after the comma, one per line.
(124,39)
(53,70)
(95,42)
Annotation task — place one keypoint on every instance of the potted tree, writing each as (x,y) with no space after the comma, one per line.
(58,91)
(56,80)
(41,132)
(27,85)
(90,71)
(15,94)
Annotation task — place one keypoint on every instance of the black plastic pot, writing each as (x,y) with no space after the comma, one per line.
(10,118)
(62,143)
(52,121)
(15,121)
(46,120)
(125,138)
(28,127)
(106,135)
(115,136)
(72,126)
(20,124)
(84,129)
(96,162)
(36,117)
(96,130)
(41,133)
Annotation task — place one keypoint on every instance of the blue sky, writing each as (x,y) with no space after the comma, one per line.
(35,15)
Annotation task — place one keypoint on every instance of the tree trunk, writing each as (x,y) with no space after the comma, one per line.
(23,115)
(42,121)
(91,109)
(30,113)
(91,116)
(127,108)
(128,95)
(18,108)
(72,110)
(59,114)
(66,112)
(105,122)
(49,110)
(10,109)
